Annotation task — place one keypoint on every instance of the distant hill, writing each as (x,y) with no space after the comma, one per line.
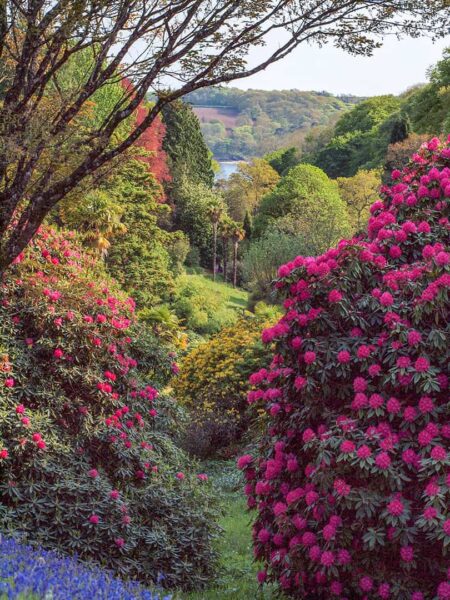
(239,124)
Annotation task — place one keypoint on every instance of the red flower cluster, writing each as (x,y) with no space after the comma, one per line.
(351,482)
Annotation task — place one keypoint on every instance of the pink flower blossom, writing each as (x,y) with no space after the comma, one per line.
(407,553)
(309,357)
(366,584)
(430,513)
(395,508)
(386,299)
(244,461)
(327,559)
(442,258)
(444,591)
(383,460)
(341,487)
(334,296)
(279,509)
(343,356)
(347,447)
(421,365)
(364,452)
(438,453)
(446,527)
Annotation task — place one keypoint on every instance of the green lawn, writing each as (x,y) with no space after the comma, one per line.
(205,306)
(237,577)
(232,297)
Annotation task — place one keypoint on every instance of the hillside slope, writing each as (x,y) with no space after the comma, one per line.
(239,124)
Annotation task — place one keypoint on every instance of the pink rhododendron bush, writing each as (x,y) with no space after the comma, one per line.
(351,482)
(87,464)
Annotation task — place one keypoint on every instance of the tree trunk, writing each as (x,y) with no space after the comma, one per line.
(235,253)
(214,250)
(225,258)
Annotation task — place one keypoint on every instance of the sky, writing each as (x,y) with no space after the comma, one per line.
(391,70)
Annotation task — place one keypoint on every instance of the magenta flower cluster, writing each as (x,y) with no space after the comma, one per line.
(351,481)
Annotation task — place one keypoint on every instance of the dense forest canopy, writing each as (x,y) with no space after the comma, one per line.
(238,124)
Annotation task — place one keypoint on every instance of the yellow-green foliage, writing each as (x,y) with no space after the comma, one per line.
(213,383)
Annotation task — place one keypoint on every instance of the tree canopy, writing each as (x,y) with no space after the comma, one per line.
(244,189)
(185,146)
(359,193)
(305,203)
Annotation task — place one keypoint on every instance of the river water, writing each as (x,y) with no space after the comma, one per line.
(227,167)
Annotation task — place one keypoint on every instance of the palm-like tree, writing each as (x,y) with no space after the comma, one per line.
(226,226)
(98,217)
(238,234)
(215,211)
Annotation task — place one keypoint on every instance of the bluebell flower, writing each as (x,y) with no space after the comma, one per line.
(26,570)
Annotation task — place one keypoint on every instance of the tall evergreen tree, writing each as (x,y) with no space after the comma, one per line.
(401,128)
(248,225)
(139,258)
(189,156)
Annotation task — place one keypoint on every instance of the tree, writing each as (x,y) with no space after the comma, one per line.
(361,137)
(215,211)
(262,259)
(359,193)
(244,189)
(97,216)
(366,115)
(401,128)
(140,257)
(283,159)
(193,42)
(226,231)
(305,203)
(238,234)
(89,440)
(185,146)
(192,216)
(151,141)
(218,408)
(248,225)
(399,154)
(429,106)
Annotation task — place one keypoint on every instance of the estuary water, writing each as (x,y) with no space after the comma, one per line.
(227,167)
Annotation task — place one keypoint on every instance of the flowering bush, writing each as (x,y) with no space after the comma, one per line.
(24,571)
(352,479)
(213,385)
(86,462)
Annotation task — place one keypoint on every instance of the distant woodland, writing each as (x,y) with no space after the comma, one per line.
(239,124)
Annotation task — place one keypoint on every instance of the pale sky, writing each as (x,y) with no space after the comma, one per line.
(391,70)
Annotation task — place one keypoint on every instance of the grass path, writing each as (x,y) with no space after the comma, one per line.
(237,577)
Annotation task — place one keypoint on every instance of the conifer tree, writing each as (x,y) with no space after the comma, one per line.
(188,153)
